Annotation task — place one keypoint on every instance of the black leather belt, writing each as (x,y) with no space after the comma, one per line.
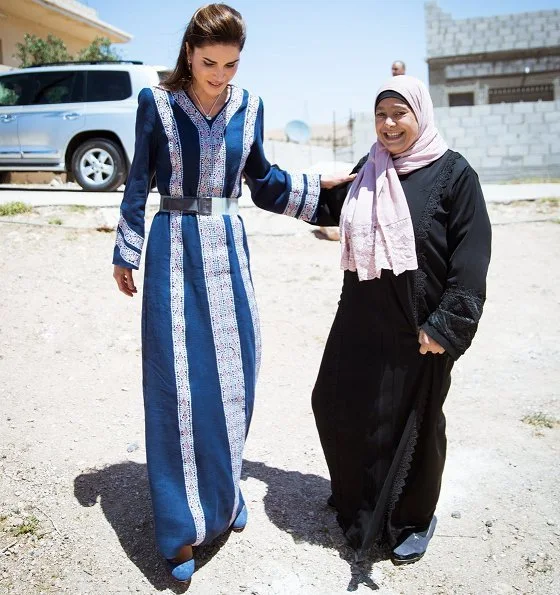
(200,205)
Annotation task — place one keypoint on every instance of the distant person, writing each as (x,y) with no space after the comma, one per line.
(398,67)
(200,330)
(415,239)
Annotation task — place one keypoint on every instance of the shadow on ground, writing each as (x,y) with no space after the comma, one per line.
(296,503)
(123,494)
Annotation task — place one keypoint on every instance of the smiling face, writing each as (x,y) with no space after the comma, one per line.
(213,66)
(396,125)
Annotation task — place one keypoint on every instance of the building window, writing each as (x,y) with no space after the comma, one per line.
(456,99)
(526,93)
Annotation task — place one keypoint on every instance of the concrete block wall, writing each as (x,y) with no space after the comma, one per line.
(449,37)
(503,142)
(478,69)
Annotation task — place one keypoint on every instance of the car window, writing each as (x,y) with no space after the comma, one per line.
(12,88)
(108,85)
(63,86)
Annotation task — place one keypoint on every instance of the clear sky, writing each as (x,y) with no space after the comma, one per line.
(305,58)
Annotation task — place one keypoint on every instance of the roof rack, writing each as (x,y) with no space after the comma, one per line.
(72,62)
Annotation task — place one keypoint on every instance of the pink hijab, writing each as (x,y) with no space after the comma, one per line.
(375,228)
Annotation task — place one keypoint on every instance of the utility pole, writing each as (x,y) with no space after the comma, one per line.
(334,135)
(351,131)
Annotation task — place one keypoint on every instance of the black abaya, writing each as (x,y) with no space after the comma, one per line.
(378,401)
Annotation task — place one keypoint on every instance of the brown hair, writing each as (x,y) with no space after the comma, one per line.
(213,23)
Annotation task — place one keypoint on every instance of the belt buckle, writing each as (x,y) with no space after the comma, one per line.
(205,205)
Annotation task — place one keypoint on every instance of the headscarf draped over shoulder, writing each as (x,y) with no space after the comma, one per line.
(376,228)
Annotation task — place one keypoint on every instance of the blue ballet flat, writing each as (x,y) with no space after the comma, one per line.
(241,521)
(182,571)
(414,546)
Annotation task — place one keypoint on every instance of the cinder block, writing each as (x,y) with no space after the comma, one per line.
(514,118)
(524,107)
(539,148)
(470,122)
(510,161)
(493,162)
(533,160)
(495,130)
(451,131)
(554,146)
(460,111)
(502,108)
(465,142)
(481,110)
(533,118)
(519,129)
(498,151)
(551,116)
(518,150)
(549,138)
(553,159)
(508,138)
(547,106)
(493,119)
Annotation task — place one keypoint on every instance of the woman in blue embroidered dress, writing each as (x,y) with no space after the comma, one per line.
(200,331)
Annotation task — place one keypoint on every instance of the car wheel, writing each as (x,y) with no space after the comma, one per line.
(98,165)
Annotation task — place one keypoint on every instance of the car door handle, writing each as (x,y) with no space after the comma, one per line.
(7,118)
(71,116)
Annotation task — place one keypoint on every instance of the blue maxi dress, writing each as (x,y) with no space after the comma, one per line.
(200,326)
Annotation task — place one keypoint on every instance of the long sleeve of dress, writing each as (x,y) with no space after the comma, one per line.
(454,323)
(130,231)
(275,190)
(331,200)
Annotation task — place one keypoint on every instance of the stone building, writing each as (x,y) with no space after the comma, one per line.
(73,22)
(495,83)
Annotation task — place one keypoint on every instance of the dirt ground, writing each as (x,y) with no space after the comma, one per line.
(74,505)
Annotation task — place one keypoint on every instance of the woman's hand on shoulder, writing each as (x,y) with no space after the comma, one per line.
(429,345)
(124,279)
(331,180)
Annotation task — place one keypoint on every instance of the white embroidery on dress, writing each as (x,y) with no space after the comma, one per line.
(295,196)
(218,141)
(311,198)
(130,235)
(238,235)
(173,141)
(215,259)
(248,139)
(212,141)
(178,323)
(127,254)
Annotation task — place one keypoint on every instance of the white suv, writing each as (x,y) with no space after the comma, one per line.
(76,118)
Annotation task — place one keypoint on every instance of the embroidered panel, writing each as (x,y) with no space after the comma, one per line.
(218,142)
(238,233)
(178,323)
(165,112)
(248,138)
(127,254)
(422,232)
(295,196)
(226,338)
(312,197)
(130,235)
(184,401)
(211,140)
